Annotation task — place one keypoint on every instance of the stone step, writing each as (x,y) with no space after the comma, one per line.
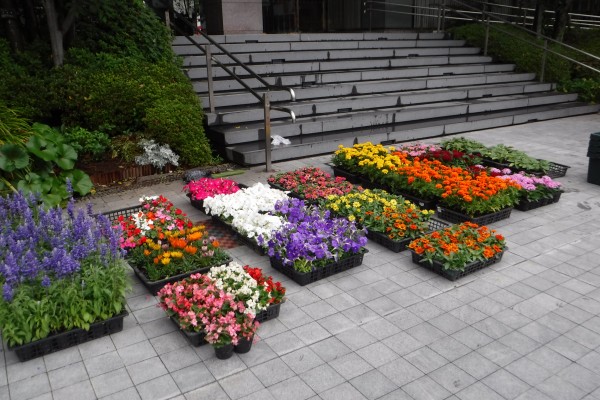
(316,79)
(344,65)
(311,37)
(190,51)
(335,105)
(240,132)
(304,146)
(384,86)
(327,55)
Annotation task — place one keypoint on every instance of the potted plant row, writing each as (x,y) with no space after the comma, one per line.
(390,220)
(223,307)
(458,250)
(164,246)
(460,193)
(63,276)
(312,244)
(501,156)
(246,212)
(536,191)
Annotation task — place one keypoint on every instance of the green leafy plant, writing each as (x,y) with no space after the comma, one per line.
(516,159)
(93,143)
(43,165)
(464,145)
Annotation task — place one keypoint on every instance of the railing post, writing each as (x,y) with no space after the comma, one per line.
(211,92)
(544,60)
(487,35)
(443,15)
(439,19)
(267,109)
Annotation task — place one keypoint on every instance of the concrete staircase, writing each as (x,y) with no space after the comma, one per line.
(378,87)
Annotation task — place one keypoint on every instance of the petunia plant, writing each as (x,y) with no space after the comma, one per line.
(311,238)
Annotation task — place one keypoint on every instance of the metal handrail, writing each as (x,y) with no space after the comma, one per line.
(264,99)
(486,18)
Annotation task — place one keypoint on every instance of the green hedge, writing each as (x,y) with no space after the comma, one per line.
(119,75)
(527,57)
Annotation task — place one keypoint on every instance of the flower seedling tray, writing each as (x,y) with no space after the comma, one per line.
(155,286)
(242,238)
(423,204)
(304,278)
(400,245)
(458,217)
(198,204)
(271,312)
(73,337)
(526,205)
(196,339)
(452,274)
(124,212)
(554,171)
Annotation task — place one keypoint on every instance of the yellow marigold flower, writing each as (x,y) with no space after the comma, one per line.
(351,218)
(176,254)
(165,261)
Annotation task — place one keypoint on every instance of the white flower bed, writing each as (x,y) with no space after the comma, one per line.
(246,209)
(235,280)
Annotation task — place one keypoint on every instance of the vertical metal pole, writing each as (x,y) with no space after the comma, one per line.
(209,76)
(297,16)
(439,19)
(544,60)
(524,18)
(443,15)
(267,105)
(487,35)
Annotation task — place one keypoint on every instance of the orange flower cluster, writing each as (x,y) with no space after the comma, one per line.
(459,245)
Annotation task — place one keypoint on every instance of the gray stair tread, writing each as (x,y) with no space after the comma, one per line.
(387,87)
(343,105)
(253,153)
(311,37)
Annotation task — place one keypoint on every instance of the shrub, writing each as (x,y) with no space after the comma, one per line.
(93,143)
(180,125)
(506,48)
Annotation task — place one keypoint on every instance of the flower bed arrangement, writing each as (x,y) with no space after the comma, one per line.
(459,190)
(199,306)
(310,183)
(311,244)
(501,156)
(200,189)
(164,245)
(62,276)
(537,191)
(458,250)
(246,212)
(275,290)
(156,216)
(390,220)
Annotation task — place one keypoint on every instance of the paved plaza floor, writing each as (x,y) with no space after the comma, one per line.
(526,328)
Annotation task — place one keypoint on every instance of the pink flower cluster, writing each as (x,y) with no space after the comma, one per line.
(312,183)
(531,182)
(418,149)
(200,306)
(209,187)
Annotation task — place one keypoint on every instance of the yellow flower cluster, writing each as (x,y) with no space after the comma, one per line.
(371,155)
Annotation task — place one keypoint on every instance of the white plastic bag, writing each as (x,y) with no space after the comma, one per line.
(276,140)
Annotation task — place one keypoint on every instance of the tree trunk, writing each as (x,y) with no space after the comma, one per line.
(561,18)
(56,35)
(32,30)
(538,20)
(10,15)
